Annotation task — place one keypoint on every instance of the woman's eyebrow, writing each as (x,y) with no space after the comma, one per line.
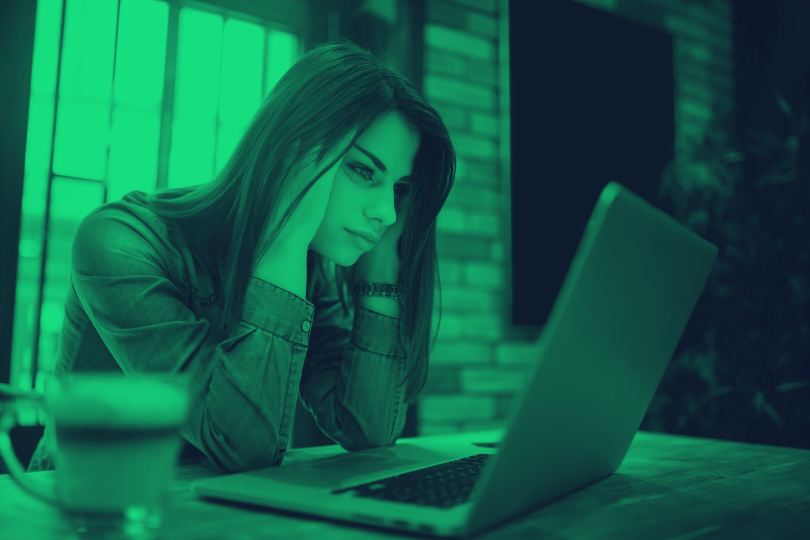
(377,163)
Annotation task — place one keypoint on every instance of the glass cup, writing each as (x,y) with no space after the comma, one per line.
(115,440)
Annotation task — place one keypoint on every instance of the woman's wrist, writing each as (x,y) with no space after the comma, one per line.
(285,268)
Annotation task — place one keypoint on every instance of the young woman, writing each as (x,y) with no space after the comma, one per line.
(229,281)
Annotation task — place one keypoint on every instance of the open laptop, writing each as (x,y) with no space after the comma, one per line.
(629,292)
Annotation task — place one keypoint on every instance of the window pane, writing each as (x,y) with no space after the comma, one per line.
(82,138)
(241,82)
(198,58)
(141,53)
(41,107)
(227,139)
(133,151)
(85,87)
(25,300)
(282,53)
(88,49)
(196,98)
(192,155)
(53,312)
(46,47)
(71,201)
(38,138)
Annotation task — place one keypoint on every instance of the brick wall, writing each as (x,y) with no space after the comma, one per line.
(475,371)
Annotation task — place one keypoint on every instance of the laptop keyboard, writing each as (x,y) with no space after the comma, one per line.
(444,485)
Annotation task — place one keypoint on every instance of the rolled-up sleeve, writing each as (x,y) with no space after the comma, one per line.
(243,388)
(352,367)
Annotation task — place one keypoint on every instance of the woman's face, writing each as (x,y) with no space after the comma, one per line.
(366,196)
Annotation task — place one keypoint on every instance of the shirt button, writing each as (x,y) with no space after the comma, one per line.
(305,326)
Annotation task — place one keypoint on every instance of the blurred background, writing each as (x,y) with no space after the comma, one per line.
(698,106)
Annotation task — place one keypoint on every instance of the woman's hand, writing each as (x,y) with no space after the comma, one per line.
(304,222)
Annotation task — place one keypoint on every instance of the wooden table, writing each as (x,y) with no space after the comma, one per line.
(668,487)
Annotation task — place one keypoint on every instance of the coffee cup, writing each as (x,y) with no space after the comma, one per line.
(114,439)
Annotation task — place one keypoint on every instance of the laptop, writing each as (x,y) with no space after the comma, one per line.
(629,292)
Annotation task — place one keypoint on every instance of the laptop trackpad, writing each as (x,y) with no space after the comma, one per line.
(334,472)
(363,464)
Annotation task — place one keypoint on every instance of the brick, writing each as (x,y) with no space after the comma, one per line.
(460,92)
(481,24)
(475,197)
(695,51)
(440,62)
(474,379)
(460,42)
(485,172)
(452,116)
(498,251)
(689,131)
(483,328)
(688,121)
(465,299)
(694,57)
(516,353)
(720,83)
(687,50)
(474,145)
(450,272)
(484,73)
(442,380)
(689,88)
(451,220)
(717,21)
(484,6)
(679,25)
(454,245)
(450,329)
(695,109)
(483,179)
(721,43)
(483,274)
(462,176)
(717,16)
(446,354)
(482,224)
(458,407)
(446,14)
(485,123)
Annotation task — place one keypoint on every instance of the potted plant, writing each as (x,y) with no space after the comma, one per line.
(742,368)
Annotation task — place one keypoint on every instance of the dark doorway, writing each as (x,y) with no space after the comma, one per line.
(592,101)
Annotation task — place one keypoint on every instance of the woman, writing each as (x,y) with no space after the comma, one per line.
(227,281)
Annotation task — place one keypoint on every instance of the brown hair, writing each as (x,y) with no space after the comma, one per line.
(335,88)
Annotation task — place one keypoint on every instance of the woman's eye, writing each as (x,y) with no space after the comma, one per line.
(403,188)
(363,169)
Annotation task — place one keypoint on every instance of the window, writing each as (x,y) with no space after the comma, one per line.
(113,130)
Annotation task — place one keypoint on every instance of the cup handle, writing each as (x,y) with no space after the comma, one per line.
(8,420)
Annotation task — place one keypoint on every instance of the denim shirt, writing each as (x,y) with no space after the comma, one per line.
(141,299)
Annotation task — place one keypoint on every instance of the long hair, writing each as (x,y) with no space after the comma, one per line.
(336,88)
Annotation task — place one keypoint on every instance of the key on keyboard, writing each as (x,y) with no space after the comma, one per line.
(444,485)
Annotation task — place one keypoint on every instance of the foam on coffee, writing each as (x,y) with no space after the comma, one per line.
(122,401)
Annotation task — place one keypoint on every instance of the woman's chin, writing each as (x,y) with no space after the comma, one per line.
(342,259)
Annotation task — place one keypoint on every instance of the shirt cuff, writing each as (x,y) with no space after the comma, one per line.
(278,311)
(376,333)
